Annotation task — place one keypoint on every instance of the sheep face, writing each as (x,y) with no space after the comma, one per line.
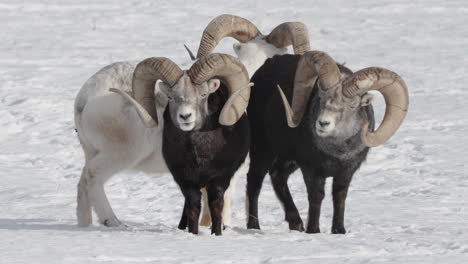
(254,53)
(188,102)
(338,115)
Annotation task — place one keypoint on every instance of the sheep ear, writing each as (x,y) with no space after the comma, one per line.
(213,85)
(163,88)
(366,99)
(161,100)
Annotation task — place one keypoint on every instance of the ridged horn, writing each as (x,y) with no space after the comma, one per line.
(312,65)
(395,93)
(233,74)
(290,33)
(226,26)
(145,76)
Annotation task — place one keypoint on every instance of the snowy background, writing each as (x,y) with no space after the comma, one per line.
(407,204)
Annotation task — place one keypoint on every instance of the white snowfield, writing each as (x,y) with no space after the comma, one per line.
(407,204)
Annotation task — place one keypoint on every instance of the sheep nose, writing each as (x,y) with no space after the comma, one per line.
(324,123)
(186,116)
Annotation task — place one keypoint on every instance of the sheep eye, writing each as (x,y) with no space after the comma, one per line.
(204,95)
(170,98)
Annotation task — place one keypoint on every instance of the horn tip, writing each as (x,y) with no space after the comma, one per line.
(225,122)
(291,120)
(192,57)
(365,137)
(152,123)
(291,124)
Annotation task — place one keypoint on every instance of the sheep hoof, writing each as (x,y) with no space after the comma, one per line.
(182,225)
(84,223)
(111,222)
(313,230)
(216,232)
(253,224)
(338,230)
(299,226)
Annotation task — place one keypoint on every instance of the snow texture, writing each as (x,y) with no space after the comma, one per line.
(407,204)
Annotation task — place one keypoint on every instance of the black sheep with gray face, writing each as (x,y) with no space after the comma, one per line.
(325,133)
(207,157)
(206,132)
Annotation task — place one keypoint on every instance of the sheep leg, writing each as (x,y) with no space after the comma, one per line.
(257,171)
(228,195)
(216,202)
(340,191)
(227,208)
(280,173)
(101,204)
(100,169)
(183,218)
(83,208)
(206,217)
(192,210)
(315,184)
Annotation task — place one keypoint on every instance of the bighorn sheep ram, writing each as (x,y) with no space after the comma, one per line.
(206,131)
(254,48)
(326,133)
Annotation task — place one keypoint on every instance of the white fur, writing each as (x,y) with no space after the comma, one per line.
(188,123)
(114,139)
(254,53)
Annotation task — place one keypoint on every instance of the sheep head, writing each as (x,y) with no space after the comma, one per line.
(341,98)
(254,47)
(188,90)
(188,102)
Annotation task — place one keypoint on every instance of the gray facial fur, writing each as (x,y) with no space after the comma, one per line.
(188,102)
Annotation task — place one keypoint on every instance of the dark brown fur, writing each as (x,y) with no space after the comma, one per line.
(280,150)
(207,157)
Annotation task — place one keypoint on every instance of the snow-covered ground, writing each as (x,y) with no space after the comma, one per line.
(408,203)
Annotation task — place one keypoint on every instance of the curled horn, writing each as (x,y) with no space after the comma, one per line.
(395,93)
(232,73)
(312,65)
(145,76)
(290,33)
(226,26)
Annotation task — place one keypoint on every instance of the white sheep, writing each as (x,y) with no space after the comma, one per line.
(113,139)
